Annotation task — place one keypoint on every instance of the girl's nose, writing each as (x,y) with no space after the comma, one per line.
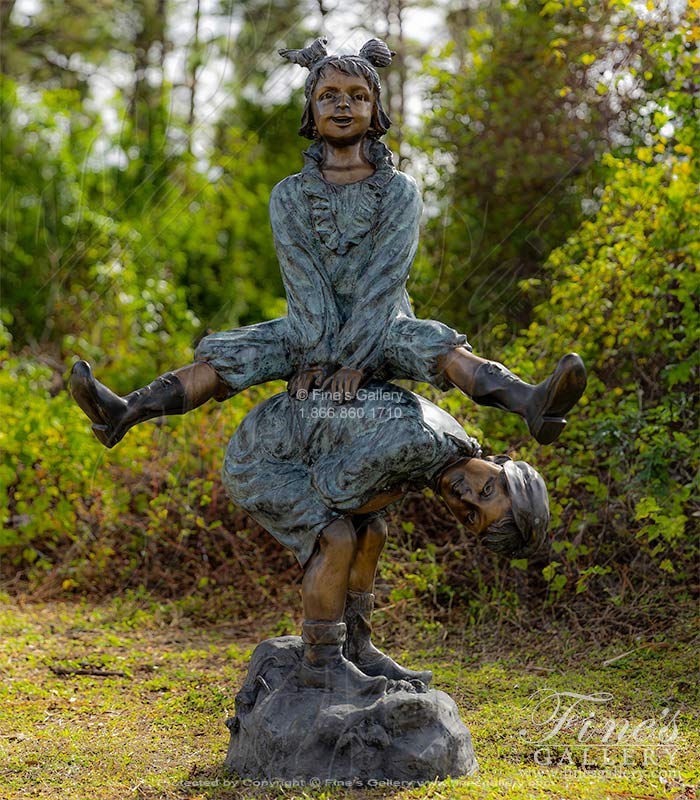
(343,101)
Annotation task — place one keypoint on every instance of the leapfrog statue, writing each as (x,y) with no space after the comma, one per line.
(317,477)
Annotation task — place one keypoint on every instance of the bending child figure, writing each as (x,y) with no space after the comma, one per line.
(317,475)
(346,231)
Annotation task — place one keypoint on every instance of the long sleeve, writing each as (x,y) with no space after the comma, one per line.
(313,318)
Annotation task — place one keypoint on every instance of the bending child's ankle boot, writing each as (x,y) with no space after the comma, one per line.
(324,667)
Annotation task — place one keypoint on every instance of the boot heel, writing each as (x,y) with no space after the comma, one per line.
(547,429)
(103,433)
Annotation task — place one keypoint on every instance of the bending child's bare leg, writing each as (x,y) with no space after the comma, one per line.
(542,405)
(328,571)
(201,382)
(371,538)
(173,393)
(359,606)
(323,592)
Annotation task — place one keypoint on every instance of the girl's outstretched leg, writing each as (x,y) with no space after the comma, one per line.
(173,393)
(225,363)
(541,405)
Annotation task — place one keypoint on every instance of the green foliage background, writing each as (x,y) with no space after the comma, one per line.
(547,230)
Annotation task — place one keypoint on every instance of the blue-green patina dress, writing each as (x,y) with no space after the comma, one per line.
(295,466)
(345,253)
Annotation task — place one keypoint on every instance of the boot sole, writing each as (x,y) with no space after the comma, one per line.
(83,392)
(567,385)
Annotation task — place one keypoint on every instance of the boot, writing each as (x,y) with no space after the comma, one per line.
(324,667)
(112,416)
(360,650)
(542,406)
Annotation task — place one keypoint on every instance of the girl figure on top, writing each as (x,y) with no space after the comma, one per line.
(345,230)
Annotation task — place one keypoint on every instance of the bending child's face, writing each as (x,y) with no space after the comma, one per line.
(476,492)
(342,106)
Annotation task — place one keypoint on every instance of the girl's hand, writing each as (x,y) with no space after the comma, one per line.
(345,382)
(301,383)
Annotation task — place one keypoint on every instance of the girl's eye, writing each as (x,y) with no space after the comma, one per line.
(327,96)
(359,97)
(487,491)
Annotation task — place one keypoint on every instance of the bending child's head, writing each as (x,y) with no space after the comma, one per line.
(374,53)
(504,502)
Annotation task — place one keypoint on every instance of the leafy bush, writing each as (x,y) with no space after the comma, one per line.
(625,478)
(152,511)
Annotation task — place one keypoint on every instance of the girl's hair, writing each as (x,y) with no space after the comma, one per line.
(505,538)
(373,53)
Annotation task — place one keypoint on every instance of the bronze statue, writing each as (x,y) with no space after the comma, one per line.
(346,231)
(318,464)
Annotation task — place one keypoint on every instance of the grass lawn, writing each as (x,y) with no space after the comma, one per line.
(155,729)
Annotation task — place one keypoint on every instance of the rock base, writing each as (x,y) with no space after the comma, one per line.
(286,732)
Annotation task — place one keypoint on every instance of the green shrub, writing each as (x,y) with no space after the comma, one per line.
(625,478)
(75,516)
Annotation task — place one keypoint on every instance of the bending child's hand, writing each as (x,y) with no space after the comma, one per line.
(345,382)
(301,383)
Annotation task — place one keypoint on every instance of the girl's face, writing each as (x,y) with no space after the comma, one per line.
(342,107)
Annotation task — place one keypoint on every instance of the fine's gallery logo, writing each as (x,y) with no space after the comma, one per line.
(371,404)
(575,729)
